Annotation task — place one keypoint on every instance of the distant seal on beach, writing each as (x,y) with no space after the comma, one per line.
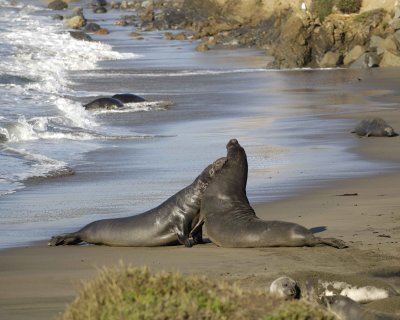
(128,97)
(230,221)
(374,127)
(285,287)
(346,309)
(104,104)
(167,224)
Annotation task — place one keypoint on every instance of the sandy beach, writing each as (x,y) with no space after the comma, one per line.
(38,281)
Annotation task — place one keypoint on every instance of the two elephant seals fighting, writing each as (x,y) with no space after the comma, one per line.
(113,103)
(230,221)
(166,224)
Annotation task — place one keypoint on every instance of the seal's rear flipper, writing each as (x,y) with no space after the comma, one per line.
(65,239)
(333,242)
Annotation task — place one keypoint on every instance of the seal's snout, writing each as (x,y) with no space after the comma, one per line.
(232,143)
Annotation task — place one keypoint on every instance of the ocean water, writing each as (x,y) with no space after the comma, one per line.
(130,160)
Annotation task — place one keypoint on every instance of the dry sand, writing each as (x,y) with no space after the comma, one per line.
(38,281)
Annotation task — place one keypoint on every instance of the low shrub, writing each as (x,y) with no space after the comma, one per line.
(349,6)
(322,8)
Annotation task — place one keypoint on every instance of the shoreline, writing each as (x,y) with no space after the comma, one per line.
(39,281)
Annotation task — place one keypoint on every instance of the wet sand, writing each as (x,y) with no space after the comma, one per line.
(38,281)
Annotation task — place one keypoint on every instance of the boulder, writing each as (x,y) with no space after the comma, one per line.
(91,27)
(361,62)
(57,5)
(76,22)
(79,35)
(202,47)
(102,31)
(390,59)
(98,3)
(330,60)
(99,10)
(353,55)
(395,24)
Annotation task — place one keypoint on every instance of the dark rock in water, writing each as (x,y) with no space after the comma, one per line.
(79,35)
(104,104)
(57,5)
(128,97)
(98,3)
(374,127)
(3,137)
(99,10)
(91,27)
(58,17)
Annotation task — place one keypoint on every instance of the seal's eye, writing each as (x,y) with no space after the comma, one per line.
(285,285)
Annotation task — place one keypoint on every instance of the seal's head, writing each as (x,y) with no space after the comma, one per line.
(285,287)
(236,162)
(389,132)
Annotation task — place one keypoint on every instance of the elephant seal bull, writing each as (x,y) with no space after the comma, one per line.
(230,221)
(166,224)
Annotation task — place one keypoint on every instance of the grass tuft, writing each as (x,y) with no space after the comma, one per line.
(136,293)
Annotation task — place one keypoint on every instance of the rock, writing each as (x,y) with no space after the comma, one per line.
(76,22)
(79,35)
(202,47)
(180,36)
(353,55)
(330,60)
(58,17)
(375,42)
(168,36)
(115,5)
(91,27)
(57,5)
(361,62)
(390,59)
(126,21)
(102,31)
(134,34)
(99,10)
(395,24)
(98,3)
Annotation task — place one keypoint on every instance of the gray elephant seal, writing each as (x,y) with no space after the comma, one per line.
(128,97)
(346,309)
(104,104)
(230,221)
(166,224)
(285,287)
(374,127)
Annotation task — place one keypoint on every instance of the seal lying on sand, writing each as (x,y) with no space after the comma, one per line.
(285,287)
(104,104)
(230,221)
(166,224)
(128,97)
(346,309)
(374,127)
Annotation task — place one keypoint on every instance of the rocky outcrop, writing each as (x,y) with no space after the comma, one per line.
(295,37)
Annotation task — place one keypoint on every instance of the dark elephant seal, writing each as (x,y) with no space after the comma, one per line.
(104,104)
(128,97)
(166,224)
(230,221)
(285,287)
(346,309)
(374,127)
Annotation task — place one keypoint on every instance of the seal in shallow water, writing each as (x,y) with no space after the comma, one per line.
(128,97)
(104,104)
(346,309)
(374,127)
(166,224)
(230,221)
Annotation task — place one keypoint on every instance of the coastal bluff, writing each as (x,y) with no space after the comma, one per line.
(312,33)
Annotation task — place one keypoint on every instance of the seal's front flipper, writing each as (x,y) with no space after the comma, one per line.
(65,239)
(185,241)
(197,228)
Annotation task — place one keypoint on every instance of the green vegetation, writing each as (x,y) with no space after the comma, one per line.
(137,293)
(322,8)
(371,17)
(349,6)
